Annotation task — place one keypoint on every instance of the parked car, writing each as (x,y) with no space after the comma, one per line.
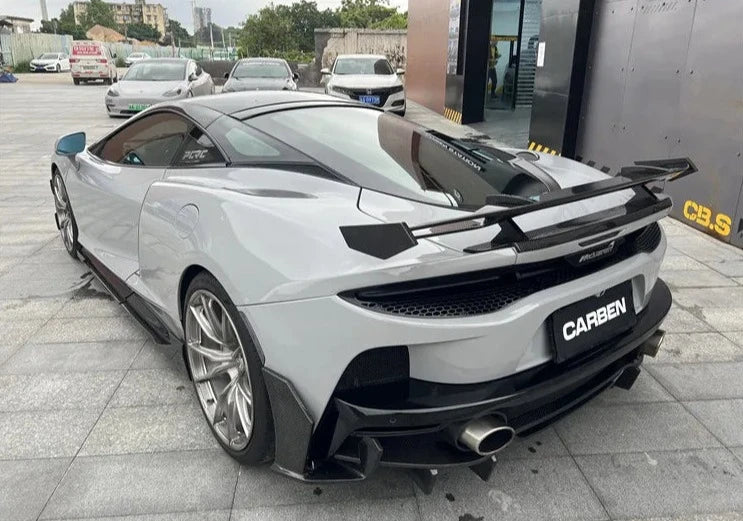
(353,290)
(260,74)
(154,80)
(368,79)
(136,57)
(92,61)
(50,62)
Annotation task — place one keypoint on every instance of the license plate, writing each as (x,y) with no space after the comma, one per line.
(138,106)
(89,67)
(589,323)
(374,100)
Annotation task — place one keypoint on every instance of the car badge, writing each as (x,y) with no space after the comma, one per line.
(368,91)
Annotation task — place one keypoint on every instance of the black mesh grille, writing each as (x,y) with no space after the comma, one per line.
(381,365)
(488,291)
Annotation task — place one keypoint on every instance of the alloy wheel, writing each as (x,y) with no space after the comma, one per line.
(219,369)
(64,214)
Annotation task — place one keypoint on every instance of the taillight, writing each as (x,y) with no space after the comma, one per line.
(102,60)
(74,60)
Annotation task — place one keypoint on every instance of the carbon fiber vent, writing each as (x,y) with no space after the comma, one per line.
(488,291)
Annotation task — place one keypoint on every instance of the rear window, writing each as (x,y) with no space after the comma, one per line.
(86,50)
(260,70)
(389,154)
(151,70)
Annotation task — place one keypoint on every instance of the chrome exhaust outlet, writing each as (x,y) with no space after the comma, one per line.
(485,436)
(652,344)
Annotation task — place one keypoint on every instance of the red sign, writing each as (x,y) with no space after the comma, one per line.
(86,49)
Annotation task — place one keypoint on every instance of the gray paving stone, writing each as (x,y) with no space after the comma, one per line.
(681,262)
(681,321)
(705,278)
(7,263)
(16,332)
(261,487)
(381,510)
(65,330)
(529,490)
(726,516)
(728,267)
(127,430)
(707,381)
(6,351)
(26,309)
(41,281)
(44,434)
(26,486)
(144,484)
(155,356)
(723,418)
(543,444)
(215,515)
(153,387)
(696,347)
(72,358)
(657,484)
(709,297)
(632,428)
(102,305)
(736,337)
(50,391)
(645,389)
(728,319)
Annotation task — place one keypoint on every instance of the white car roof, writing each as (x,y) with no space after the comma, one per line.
(375,56)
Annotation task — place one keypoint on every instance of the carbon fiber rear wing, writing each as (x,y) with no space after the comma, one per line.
(386,240)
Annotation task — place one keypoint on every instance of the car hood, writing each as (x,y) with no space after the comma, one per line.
(43,62)
(367,81)
(147,88)
(235,84)
(563,172)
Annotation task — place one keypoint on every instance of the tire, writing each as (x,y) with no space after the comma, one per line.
(64,216)
(190,94)
(58,69)
(76,81)
(108,81)
(206,300)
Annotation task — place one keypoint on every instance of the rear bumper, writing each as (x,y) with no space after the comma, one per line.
(387,427)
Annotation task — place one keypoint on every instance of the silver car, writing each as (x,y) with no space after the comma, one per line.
(260,74)
(155,80)
(366,78)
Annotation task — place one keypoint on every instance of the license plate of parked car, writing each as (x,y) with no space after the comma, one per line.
(593,321)
(138,106)
(374,100)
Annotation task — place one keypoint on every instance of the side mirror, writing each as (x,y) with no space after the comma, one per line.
(71,144)
(295,76)
(192,76)
(325,71)
(226,75)
(400,72)
(113,55)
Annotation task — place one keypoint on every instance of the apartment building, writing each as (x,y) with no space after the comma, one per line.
(154,15)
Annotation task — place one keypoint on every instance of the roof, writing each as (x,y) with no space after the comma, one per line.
(375,56)
(259,59)
(13,18)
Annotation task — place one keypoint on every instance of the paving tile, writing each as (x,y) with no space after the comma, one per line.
(6,351)
(153,387)
(50,391)
(127,430)
(633,428)
(261,487)
(65,330)
(543,444)
(723,418)
(706,381)
(16,332)
(25,309)
(726,516)
(136,484)
(26,486)
(215,515)
(155,356)
(42,280)
(44,434)
(72,358)
(729,319)
(100,305)
(645,389)
(681,262)
(736,337)
(658,484)
(709,297)
(381,510)
(681,321)
(529,490)
(696,347)
(705,278)
(728,267)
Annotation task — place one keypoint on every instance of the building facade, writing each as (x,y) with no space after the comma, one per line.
(154,15)
(608,82)
(15,24)
(202,17)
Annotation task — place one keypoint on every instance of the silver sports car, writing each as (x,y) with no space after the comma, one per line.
(155,80)
(378,295)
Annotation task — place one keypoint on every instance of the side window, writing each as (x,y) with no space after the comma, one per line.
(244,144)
(198,150)
(151,141)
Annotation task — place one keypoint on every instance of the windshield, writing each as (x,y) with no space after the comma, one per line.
(362,66)
(151,70)
(260,70)
(389,154)
(48,56)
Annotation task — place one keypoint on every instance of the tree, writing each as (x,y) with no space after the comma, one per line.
(305,18)
(65,25)
(395,21)
(142,31)
(364,13)
(180,35)
(268,32)
(98,12)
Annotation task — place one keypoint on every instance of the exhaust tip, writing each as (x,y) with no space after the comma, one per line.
(486,435)
(652,344)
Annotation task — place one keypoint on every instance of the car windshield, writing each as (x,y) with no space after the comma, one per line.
(48,56)
(260,70)
(388,154)
(151,70)
(362,66)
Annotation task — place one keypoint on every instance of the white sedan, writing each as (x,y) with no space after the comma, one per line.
(366,78)
(50,62)
(136,57)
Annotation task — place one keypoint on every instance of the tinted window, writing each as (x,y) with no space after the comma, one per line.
(48,56)
(362,66)
(151,70)
(150,141)
(389,154)
(260,70)
(247,145)
(198,150)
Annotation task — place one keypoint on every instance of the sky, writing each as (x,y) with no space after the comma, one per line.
(224,12)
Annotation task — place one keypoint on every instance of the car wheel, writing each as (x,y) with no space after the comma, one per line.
(76,81)
(226,372)
(107,81)
(189,94)
(64,216)
(58,68)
